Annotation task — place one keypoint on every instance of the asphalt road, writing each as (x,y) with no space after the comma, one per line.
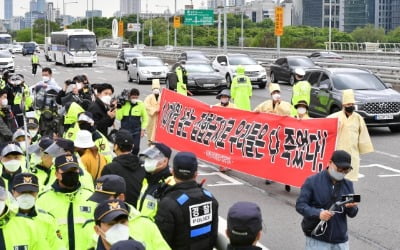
(375,227)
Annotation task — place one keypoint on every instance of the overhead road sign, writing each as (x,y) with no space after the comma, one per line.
(135,27)
(199,17)
(177,22)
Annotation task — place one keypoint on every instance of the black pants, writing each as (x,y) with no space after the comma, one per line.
(136,143)
(34,68)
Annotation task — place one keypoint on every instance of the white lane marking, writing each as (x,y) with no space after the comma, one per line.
(230,180)
(387,154)
(397,171)
(389,175)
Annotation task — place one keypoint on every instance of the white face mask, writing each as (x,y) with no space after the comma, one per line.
(117,233)
(301,110)
(2,207)
(276,97)
(133,101)
(224,100)
(150,165)
(106,99)
(79,85)
(156,91)
(33,132)
(4,102)
(22,145)
(336,175)
(25,201)
(12,165)
(45,78)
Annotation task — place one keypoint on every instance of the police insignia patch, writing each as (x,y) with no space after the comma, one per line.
(114,205)
(102,146)
(27,180)
(99,186)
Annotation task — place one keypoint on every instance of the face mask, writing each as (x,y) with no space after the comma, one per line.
(156,91)
(22,145)
(150,165)
(276,97)
(25,201)
(45,78)
(79,85)
(106,99)
(336,175)
(4,102)
(349,109)
(85,126)
(12,165)
(224,100)
(70,179)
(301,111)
(133,101)
(33,133)
(117,233)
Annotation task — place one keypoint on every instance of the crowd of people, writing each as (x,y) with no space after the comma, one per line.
(71,178)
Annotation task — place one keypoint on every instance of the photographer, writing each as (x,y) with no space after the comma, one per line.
(75,91)
(7,121)
(103,109)
(316,202)
(133,117)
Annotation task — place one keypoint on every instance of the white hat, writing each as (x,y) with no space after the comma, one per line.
(84,139)
(299,71)
(348,96)
(155,84)
(274,87)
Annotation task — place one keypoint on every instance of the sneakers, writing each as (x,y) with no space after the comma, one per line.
(287,188)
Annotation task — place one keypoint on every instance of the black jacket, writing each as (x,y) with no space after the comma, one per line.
(101,120)
(187,217)
(317,193)
(128,167)
(230,247)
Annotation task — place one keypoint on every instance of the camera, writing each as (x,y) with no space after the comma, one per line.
(122,98)
(351,197)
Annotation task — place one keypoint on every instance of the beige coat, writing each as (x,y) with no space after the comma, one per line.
(353,137)
(153,108)
(283,108)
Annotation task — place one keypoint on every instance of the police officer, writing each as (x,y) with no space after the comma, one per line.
(12,163)
(25,190)
(7,121)
(301,89)
(188,214)
(244,226)
(67,201)
(133,117)
(181,79)
(35,63)
(109,187)
(241,89)
(158,176)
(16,232)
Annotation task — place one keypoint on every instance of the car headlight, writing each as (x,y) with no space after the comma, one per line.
(191,81)
(263,72)
(223,81)
(145,71)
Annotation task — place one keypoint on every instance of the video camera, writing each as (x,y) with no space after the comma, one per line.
(122,98)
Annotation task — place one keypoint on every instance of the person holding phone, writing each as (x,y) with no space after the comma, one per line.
(316,202)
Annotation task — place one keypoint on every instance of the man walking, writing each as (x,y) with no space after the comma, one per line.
(35,63)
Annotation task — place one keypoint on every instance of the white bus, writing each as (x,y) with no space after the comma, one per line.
(6,42)
(73,47)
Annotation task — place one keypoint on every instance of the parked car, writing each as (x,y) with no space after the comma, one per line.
(376,101)
(193,55)
(202,77)
(228,63)
(125,57)
(6,61)
(283,68)
(325,56)
(17,48)
(147,68)
(28,48)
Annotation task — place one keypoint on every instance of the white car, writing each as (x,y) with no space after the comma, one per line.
(147,68)
(227,64)
(6,61)
(17,48)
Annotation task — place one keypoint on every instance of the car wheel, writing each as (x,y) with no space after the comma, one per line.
(90,65)
(125,66)
(395,128)
(167,85)
(228,80)
(262,85)
(291,80)
(273,78)
(117,66)
(138,79)
(129,77)
(65,62)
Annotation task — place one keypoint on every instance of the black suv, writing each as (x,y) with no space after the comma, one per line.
(125,56)
(376,101)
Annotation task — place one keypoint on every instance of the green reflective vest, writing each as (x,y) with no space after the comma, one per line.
(35,59)
(241,91)
(301,92)
(181,87)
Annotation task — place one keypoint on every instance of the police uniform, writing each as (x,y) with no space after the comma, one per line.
(241,89)
(70,207)
(8,176)
(181,84)
(188,214)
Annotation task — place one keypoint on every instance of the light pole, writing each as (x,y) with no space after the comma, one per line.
(87,12)
(219,26)
(92,15)
(225,30)
(330,24)
(241,32)
(167,17)
(175,28)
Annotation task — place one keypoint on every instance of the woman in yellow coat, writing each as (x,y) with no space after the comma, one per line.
(353,136)
(152,104)
(275,105)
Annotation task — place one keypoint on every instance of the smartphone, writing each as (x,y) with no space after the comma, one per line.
(353,197)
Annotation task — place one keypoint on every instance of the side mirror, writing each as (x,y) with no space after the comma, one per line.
(389,85)
(223,63)
(13,56)
(216,70)
(166,64)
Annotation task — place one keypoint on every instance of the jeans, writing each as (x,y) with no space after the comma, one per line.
(313,244)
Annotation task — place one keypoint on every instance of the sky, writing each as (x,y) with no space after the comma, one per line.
(107,6)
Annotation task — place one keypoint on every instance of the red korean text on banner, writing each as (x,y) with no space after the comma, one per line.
(277,148)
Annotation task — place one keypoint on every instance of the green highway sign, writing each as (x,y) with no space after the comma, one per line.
(199,17)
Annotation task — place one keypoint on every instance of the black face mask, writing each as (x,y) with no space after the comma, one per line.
(349,109)
(85,126)
(70,179)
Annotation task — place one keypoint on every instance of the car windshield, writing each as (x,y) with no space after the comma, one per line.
(29,45)
(83,42)
(241,60)
(302,62)
(197,56)
(150,62)
(199,68)
(357,81)
(129,55)
(5,55)
(5,40)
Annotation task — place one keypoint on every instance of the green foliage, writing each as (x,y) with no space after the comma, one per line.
(368,33)
(394,36)
(24,35)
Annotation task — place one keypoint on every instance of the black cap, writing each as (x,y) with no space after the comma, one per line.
(342,159)
(43,144)
(244,219)
(123,137)
(106,186)
(127,244)
(32,123)
(224,92)
(65,144)
(185,165)
(163,149)
(302,102)
(24,182)
(109,210)
(66,162)
(158,148)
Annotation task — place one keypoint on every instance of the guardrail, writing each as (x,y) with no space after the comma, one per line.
(389,73)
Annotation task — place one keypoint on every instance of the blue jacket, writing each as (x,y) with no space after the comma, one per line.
(316,195)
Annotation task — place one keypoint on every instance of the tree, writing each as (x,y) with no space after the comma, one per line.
(368,33)
(394,36)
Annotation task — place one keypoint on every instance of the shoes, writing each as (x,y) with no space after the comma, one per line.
(222,169)
(287,188)
(267,182)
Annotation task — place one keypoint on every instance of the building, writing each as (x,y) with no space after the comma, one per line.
(8,9)
(356,13)
(31,17)
(33,5)
(128,7)
(41,5)
(97,13)
(17,23)
(387,14)
(50,13)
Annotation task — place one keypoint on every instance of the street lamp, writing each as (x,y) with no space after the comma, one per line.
(330,24)
(167,17)
(64,3)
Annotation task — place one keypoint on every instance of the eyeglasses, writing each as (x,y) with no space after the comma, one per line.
(342,170)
